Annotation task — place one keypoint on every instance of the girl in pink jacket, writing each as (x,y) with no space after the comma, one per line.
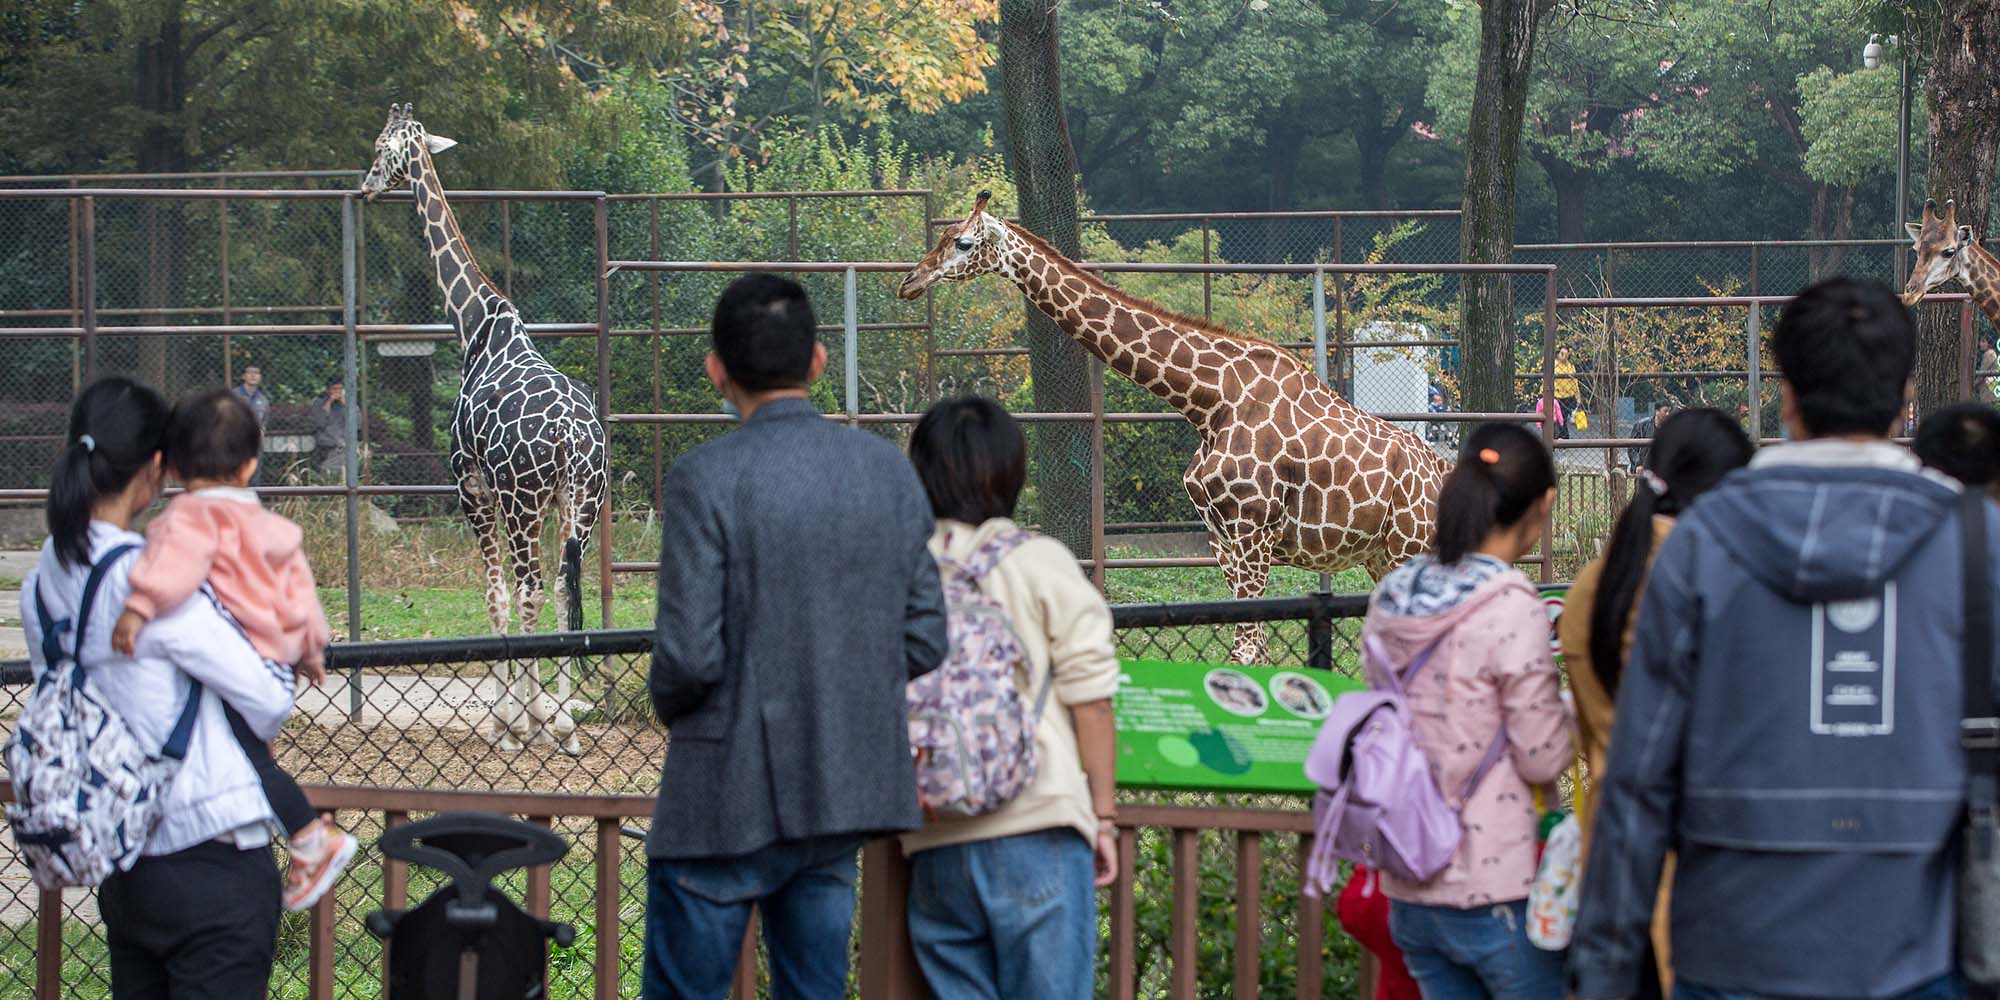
(254,563)
(1491,678)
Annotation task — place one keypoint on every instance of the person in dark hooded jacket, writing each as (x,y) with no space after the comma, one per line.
(1788,719)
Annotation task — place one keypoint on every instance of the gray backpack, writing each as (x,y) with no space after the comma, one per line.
(86,793)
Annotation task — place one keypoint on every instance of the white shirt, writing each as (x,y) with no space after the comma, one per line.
(216,794)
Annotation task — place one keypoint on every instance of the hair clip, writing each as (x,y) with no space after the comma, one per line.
(1489,456)
(89,443)
(1653,482)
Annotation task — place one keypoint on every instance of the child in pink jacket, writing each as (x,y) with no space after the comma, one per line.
(1491,678)
(253,561)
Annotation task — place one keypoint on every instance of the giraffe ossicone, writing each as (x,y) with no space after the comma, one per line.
(1287,471)
(525,443)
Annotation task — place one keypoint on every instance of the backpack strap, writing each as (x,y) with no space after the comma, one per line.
(1485,764)
(176,745)
(1979,728)
(989,555)
(52,653)
(1375,658)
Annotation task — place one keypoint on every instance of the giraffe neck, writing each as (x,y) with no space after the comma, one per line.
(470,298)
(1983,274)
(1168,355)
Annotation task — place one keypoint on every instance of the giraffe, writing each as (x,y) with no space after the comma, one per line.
(1287,471)
(1947,250)
(525,440)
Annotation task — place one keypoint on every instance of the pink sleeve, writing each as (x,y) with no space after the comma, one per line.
(1538,724)
(178,554)
(302,591)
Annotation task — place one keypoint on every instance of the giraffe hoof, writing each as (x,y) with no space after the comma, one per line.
(507,744)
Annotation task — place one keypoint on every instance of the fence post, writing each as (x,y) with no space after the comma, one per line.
(350,473)
(1207,279)
(930,394)
(1549,410)
(1097,505)
(1319,629)
(1968,350)
(89,289)
(792,218)
(850,349)
(222,250)
(1319,357)
(75,289)
(1755,394)
(888,966)
(659,438)
(48,946)
(602,217)
(506,249)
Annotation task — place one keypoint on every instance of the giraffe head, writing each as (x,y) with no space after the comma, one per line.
(966,250)
(1941,245)
(395,148)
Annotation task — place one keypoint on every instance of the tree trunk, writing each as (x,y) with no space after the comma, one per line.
(1571,186)
(1375,137)
(160,76)
(1963,92)
(1492,151)
(1042,165)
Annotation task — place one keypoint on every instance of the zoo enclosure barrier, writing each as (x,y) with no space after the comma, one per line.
(1176,850)
(108,328)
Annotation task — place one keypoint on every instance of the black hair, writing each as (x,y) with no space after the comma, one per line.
(1691,453)
(1846,348)
(764,331)
(1963,442)
(211,435)
(115,430)
(1502,470)
(972,458)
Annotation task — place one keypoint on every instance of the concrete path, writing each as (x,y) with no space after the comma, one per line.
(13,566)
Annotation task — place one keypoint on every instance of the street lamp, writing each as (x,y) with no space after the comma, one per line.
(1871,57)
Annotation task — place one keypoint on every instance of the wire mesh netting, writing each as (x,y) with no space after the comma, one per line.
(424,722)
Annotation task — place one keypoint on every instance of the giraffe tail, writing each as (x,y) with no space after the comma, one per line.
(572,574)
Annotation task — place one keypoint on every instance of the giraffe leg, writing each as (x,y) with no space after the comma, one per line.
(539,716)
(1246,564)
(482,513)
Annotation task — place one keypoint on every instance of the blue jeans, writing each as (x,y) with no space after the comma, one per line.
(696,912)
(1941,988)
(1472,954)
(1013,917)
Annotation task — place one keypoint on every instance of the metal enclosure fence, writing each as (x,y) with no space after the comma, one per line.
(417,748)
(186,287)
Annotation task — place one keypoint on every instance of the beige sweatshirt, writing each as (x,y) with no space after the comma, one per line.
(1066,627)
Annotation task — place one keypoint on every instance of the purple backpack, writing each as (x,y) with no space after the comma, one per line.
(1378,804)
(972,732)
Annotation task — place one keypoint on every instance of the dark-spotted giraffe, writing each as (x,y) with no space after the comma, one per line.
(1947,250)
(1287,471)
(525,439)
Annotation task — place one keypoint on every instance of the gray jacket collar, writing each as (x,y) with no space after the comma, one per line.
(785,408)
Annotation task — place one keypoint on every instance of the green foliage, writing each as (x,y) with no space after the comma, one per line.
(1850,123)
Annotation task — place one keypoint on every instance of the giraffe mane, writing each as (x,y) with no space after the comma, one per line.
(1125,298)
(451,217)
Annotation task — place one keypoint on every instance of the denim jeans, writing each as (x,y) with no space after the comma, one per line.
(1471,954)
(1012,917)
(696,912)
(1942,988)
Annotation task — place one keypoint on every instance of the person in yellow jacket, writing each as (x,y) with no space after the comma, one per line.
(1691,454)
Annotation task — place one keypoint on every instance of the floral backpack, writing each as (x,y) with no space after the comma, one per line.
(972,732)
(87,794)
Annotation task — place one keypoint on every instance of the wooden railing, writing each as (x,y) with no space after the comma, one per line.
(887,969)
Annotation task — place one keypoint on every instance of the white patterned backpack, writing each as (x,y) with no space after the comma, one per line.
(86,793)
(972,732)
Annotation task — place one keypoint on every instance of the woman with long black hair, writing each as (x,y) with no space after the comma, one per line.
(197,915)
(1691,453)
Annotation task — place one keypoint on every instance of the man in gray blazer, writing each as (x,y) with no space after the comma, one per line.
(797,599)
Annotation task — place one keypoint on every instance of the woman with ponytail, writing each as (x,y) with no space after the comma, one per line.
(1466,633)
(1691,453)
(197,914)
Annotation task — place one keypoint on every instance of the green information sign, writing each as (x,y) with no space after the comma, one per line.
(1208,727)
(1214,728)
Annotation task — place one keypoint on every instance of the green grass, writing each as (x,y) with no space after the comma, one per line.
(432,612)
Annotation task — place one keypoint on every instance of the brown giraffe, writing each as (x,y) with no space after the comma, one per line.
(1947,250)
(1287,471)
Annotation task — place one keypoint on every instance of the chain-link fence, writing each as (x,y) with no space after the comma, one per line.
(398,722)
(188,289)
